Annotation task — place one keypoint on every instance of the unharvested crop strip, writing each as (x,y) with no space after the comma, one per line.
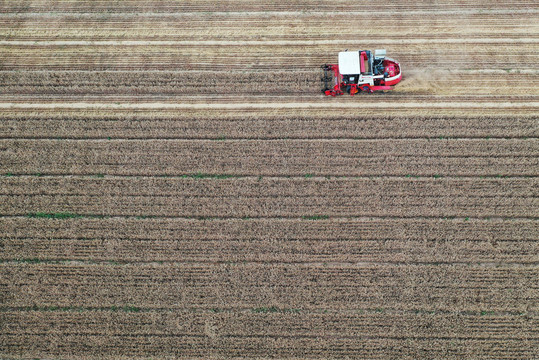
(37,86)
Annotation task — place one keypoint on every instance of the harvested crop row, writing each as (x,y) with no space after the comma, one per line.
(256,26)
(295,125)
(209,347)
(174,332)
(398,104)
(252,197)
(270,321)
(254,112)
(270,240)
(237,29)
(276,157)
(135,7)
(303,286)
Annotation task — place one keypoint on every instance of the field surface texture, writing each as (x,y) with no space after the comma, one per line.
(173,183)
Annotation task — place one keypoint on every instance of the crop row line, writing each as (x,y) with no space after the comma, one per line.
(268,13)
(470,71)
(234,99)
(282,93)
(488,264)
(288,239)
(234,196)
(393,337)
(306,218)
(284,336)
(270,309)
(260,177)
(250,115)
(269,138)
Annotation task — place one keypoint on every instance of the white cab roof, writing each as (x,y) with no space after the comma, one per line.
(349,62)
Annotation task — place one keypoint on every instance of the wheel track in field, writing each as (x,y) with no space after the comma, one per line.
(533,106)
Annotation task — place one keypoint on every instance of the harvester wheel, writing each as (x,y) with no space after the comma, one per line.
(330,92)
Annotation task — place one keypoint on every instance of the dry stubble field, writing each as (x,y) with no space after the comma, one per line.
(174,185)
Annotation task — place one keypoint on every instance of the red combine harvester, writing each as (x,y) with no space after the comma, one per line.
(361,71)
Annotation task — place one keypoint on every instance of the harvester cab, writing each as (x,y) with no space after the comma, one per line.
(361,71)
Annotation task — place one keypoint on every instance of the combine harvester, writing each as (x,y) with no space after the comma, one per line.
(361,71)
